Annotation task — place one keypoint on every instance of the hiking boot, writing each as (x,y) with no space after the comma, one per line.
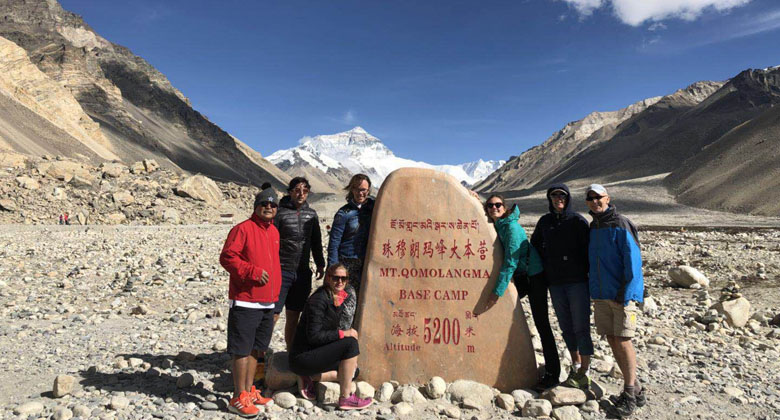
(243,406)
(548,381)
(306,388)
(354,403)
(578,380)
(257,398)
(641,398)
(625,405)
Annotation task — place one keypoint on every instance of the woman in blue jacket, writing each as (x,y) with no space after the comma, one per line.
(520,261)
(349,238)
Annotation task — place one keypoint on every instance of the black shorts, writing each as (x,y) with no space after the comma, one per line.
(324,358)
(295,291)
(249,329)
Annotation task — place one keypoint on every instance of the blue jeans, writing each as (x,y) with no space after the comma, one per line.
(572,307)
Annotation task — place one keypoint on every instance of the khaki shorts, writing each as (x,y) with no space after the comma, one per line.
(612,318)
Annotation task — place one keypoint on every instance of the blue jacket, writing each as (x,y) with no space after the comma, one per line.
(518,252)
(562,241)
(615,258)
(349,233)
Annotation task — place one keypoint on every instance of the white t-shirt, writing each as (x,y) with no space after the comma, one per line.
(253,305)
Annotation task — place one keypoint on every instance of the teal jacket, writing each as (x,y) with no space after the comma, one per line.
(519,254)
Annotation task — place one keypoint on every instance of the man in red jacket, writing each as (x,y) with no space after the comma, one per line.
(251,256)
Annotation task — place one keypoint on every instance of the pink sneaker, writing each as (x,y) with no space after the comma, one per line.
(354,403)
(307,388)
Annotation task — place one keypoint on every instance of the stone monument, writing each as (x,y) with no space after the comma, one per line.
(431,263)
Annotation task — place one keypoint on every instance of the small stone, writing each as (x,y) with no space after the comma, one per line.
(63,385)
(733,391)
(364,390)
(327,392)
(304,403)
(185,380)
(118,402)
(140,310)
(407,393)
(737,311)
(221,346)
(505,401)
(385,392)
(523,395)
(687,276)
(62,413)
(285,399)
(649,307)
(568,412)
(562,395)
(452,412)
(462,389)
(402,409)
(435,388)
(82,411)
(28,408)
(471,403)
(208,405)
(135,362)
(591,406)
(537,408)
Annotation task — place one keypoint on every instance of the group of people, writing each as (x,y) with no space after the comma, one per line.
(576,262)
(268,255)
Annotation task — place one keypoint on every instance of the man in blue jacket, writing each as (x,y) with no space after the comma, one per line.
(616,286)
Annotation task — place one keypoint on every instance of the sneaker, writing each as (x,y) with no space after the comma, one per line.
(243,406)
(306,388)
(625,405)
(548,381)
(578,380)
(354,403)
(256,397)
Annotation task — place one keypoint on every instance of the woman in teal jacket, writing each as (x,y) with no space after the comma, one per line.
(522,261)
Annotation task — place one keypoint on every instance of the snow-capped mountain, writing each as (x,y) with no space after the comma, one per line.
(357,151)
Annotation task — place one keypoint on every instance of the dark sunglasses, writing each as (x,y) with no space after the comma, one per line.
(496,205)
(594,197)
(558,195)
(268,203)
(339,278)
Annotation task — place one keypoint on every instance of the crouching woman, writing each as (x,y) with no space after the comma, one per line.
(323,352)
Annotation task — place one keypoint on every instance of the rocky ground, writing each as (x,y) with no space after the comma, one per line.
(136,316)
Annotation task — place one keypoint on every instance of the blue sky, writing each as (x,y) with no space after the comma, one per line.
(440,81)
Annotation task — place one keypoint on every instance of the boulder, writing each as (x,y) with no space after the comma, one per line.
(81,182)
(112,170)
(537,408)
(63,170)
(462,389)
(7,205)
(687,276)
(277,372)
(435,388)
(200,188)
(63,385)
(27,183)
(123,198)
(151,165)
(562,395)
(568,412)
(737,311)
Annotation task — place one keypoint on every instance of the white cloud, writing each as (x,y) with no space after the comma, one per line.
(637,12)
(349,117)
(657,26)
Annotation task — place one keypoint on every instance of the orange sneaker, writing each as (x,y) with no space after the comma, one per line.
(243,406)
(257,398)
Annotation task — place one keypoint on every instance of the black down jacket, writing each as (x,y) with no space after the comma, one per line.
(299,236)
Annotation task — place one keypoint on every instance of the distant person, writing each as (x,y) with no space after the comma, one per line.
(561,238)
(62,220)
(349,238)
(251,256)
(521,261)
(66,218)
(322,351)
(265,186)
(300,237)
(616,286)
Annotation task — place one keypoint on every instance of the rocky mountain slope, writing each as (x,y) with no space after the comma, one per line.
(668,135)
(340,155)
(101,102)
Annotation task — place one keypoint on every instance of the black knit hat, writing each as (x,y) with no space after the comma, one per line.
(268,194)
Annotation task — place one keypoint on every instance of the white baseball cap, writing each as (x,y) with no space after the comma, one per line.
(596,188)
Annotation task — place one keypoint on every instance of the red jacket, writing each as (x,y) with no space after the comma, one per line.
(251,247)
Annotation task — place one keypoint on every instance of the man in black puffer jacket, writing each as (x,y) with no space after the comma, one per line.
(299,236)
(561,238)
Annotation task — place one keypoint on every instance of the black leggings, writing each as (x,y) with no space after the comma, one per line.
(537,297)
(324,358)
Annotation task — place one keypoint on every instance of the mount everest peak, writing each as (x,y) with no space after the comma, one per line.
(357,151)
